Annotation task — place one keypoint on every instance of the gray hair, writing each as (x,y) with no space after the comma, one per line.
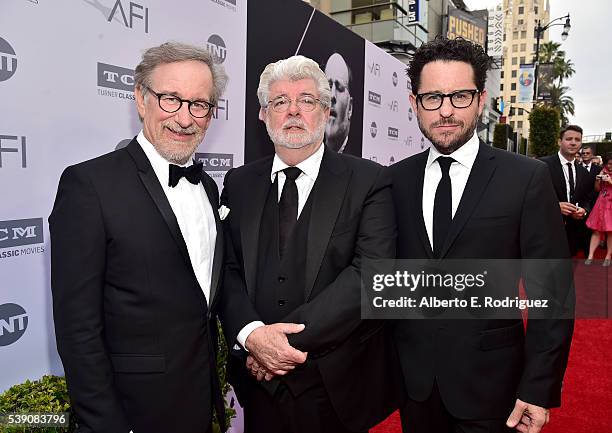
(171,52)
(293,68)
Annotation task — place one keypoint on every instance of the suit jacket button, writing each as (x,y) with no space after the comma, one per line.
(281,303)
(281,279)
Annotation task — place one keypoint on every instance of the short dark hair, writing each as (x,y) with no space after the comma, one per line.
(607,157)
(589,146)
(447,50)
(575,128)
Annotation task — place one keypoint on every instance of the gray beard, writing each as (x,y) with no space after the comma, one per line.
(280,138)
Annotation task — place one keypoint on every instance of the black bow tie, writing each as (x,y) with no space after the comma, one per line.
(193,174)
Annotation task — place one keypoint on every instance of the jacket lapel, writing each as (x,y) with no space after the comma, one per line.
(151,183)
(559,178)
(213,198)
(482,170)
(418,203)
(250,221)
(327,198)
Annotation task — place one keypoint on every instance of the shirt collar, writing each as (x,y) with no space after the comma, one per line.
(465,155)
(159,164)
(562,159)
(310,166)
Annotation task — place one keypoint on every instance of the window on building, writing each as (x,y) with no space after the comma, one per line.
(512,111)
(520,22)
(514,48)
(514,61)
(520,124)
(524,34)
(521,10)
(522,60)
(523,47)
(512,86)
(520,111)
(514,73)
(513,124)
(501,87)
(504,37)
(512,99)
(502,75)
(535,9)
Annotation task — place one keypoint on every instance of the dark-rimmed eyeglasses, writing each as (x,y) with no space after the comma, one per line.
(459,99)
(305,103)
(172,104)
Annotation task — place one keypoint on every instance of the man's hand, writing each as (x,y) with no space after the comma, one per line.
(579,213)
(567,208)
(259,372)
(271,349)
(528,418)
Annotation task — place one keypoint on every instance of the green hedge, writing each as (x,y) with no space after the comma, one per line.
(544,123)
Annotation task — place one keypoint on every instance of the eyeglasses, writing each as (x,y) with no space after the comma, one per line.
(458,99)
(305,103)
(172,104)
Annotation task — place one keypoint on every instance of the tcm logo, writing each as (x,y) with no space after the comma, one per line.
(19,148)
(394,79)
(115,77)
(8,60)
(374,69)
(135,12)
(228,4)
(13,323)
(16,233)
(393,105)
(393,132)
(216,161)
(373,129)
(216,47)
(374,98)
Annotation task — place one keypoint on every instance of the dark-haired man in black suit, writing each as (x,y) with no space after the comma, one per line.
(574,187)
(462,199)
(136,258)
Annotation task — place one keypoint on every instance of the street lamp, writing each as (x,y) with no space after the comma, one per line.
(539,32)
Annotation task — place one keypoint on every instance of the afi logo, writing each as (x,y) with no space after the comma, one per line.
(216,161)
(13,323)
(16,148)
(135,11)
(221,107)
(8,60)
(15,233)
(393,105)
(374,68)
(216,46)
(115,77)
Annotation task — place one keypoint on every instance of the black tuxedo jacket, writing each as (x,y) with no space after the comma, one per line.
(584,181)
(508,210)
(351,219)
(133,327)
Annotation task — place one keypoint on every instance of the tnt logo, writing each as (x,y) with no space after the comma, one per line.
(18,147)
(216,161)
(13,323)
(115,77)
(216,47)
(135,10)
(8,60)
(14,233)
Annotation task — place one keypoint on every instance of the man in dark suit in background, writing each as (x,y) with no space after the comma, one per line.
(574,187)
(462,199)
(136,258)
(587,153)
(300,223)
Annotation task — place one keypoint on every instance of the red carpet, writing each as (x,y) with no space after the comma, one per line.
(587,391)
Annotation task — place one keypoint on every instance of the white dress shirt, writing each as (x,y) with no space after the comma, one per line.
(566,174)
(193,212)
(304,183)
(459,173)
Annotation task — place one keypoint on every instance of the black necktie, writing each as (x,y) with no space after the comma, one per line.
(443,206)
(193,174)
(287,207)
(571,181)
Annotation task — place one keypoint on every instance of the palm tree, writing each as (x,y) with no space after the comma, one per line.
(548,51)
(561,101)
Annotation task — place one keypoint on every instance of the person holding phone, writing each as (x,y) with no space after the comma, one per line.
(600,219)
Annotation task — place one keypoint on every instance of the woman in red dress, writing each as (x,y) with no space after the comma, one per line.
(600,219)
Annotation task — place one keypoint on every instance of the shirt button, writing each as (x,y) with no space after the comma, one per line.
(281,279)
(282,303)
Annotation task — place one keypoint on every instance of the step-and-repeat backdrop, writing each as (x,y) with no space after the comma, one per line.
(66,95)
